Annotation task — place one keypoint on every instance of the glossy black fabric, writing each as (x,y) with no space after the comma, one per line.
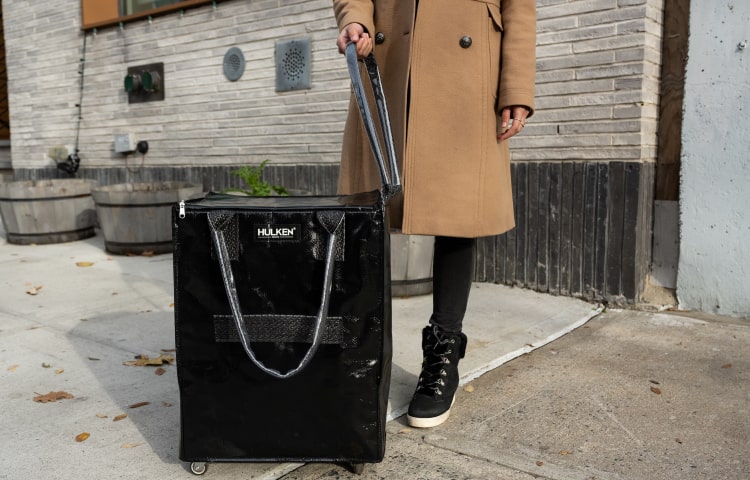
(334,409)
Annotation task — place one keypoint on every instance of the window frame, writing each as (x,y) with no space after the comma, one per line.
(93,12)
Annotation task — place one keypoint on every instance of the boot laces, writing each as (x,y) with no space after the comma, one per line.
(436,356)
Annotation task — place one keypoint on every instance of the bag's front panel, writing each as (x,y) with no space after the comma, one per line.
(335,408)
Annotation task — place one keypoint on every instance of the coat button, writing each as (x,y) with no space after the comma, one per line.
(379,38)
(465,41)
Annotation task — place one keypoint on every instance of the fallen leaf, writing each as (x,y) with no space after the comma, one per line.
(145,360)
(93,359)
(539,463)
(678,440)
(469,388)
(34,290)
(58,372)
(46,365)
(130,445)
(160,371)
(166,404)
(565,452)
(52,397)
(139,404)
(404,430)
(82,437)
(654,382)
(121,416)
(101,415)
(84,264)
(148,253)
(171,305)
(656,390)
(727,365)
(13,368)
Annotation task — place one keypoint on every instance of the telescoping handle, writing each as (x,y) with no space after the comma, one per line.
(390,179)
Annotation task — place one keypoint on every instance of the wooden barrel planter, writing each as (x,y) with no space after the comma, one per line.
(411,264)
(136,218)
(47,211)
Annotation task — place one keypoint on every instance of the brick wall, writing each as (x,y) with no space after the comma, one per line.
(205,119)
(597,86)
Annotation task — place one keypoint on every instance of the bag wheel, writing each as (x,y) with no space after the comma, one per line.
(198,468)
(357,468)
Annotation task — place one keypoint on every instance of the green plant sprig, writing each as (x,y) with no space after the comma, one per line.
(253,179)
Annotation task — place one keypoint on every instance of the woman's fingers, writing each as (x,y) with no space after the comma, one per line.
(512,119)
(355,33)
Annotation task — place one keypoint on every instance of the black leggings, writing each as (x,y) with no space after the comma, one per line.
(452,275)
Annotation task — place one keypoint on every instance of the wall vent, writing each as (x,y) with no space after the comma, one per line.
(293,64)
(234,64)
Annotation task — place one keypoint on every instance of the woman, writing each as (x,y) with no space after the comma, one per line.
(458,76)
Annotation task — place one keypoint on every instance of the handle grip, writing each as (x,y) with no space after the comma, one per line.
(389,175)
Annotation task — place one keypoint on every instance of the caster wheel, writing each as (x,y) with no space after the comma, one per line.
(198,468)
(357,468)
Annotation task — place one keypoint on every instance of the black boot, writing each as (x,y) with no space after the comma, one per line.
(438,380)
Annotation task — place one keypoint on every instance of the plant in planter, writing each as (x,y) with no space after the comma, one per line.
(254,183)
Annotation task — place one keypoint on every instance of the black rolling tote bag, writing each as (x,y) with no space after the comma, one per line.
(283,320)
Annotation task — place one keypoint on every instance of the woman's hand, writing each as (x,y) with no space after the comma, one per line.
(513,120)
(355,32)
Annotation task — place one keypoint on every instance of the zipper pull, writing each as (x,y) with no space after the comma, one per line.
(182,208)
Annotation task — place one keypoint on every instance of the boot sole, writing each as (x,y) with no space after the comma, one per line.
(427,422)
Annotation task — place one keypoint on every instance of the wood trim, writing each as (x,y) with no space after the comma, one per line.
(104,13)
(674,59)
(583,229)
(95,12)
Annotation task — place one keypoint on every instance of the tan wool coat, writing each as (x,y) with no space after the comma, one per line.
(446,73)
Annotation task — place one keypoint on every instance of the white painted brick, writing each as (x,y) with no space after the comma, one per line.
(597,83)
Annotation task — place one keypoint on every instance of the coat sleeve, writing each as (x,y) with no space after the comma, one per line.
(355,11)
(518,54)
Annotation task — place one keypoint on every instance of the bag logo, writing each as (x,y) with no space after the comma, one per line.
(276,233)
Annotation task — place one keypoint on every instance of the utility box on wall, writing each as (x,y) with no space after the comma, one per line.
(145,83)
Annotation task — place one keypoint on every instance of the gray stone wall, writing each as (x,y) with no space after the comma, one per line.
(597,79)
(204,119)
(714,266)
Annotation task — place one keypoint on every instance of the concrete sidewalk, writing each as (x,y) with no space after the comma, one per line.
(548,391)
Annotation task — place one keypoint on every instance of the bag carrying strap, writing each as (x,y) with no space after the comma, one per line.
(389,176)
(332,221)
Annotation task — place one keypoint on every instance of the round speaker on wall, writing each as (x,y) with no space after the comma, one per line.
(234,64)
